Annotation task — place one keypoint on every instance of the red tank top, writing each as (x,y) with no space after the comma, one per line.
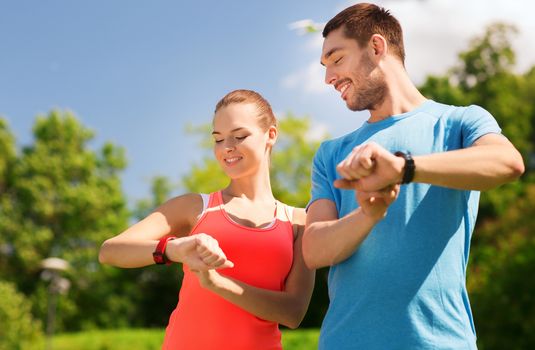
(262,257)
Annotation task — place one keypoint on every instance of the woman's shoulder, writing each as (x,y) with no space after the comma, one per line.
(185,207)
(295,215)
(298,216)
(186,199)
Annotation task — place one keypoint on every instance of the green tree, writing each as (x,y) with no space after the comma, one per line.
(60,199)
(161,188)
(290,179)
(500,279)
(292,160)
(7,154)
(18,329)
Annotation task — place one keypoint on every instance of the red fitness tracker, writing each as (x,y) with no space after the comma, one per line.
(159,253)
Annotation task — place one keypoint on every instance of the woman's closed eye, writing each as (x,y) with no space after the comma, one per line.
(239,138)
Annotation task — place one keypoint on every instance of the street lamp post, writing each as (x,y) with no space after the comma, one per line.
(52,267)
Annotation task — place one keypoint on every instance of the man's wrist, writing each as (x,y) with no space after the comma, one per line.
(409,168)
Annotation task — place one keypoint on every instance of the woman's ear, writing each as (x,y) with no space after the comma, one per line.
(272,135)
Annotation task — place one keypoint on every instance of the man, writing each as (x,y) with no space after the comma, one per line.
(402,285)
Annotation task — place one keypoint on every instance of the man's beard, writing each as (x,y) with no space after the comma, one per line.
(372,89)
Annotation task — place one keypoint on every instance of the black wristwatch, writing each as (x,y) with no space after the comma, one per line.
(408,168)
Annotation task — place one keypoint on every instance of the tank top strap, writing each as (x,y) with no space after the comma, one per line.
(288,211)
(215,200)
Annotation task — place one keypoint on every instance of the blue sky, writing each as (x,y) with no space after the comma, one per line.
(136,72)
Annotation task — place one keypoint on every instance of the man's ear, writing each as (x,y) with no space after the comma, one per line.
(378,47)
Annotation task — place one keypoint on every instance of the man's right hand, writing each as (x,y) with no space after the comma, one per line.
(369,168)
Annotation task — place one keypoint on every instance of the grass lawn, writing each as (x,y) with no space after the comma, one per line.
(149,339)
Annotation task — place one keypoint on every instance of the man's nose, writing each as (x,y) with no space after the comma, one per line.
(330,77)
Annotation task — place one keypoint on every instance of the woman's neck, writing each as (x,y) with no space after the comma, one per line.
(256,187)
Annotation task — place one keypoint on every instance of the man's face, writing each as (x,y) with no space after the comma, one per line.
(351,71)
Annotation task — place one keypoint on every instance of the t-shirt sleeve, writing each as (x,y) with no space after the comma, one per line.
(477,122)
(321,185)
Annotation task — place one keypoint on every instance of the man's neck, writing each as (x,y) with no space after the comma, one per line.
(402,96)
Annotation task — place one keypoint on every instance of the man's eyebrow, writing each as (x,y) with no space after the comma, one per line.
(233,130)
(329,54)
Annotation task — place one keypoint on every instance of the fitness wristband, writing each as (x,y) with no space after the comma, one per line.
(159,253)
(408,168)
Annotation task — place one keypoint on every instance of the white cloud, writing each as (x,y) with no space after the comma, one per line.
(318,131)
(308,79)
(435,31)
(306,26)
(315,43)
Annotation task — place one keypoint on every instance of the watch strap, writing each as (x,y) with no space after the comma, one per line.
(159,253)
(409,167)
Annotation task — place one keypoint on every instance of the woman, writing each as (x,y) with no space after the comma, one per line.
(240,248)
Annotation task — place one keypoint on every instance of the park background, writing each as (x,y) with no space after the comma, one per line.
(104,113)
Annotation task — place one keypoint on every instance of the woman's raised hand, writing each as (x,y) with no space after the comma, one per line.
(200,252)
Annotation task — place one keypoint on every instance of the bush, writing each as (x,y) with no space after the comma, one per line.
(501,278)
(18,329)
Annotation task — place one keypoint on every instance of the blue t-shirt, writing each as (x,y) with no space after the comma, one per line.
(405,285)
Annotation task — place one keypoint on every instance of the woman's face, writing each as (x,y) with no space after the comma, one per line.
(241,146)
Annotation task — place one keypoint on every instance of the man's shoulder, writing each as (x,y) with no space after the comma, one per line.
(339,142)
(439,110)
(449,110)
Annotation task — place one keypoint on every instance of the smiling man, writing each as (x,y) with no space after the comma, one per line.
(401,285)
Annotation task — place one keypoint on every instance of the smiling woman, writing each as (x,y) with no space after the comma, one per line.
(240,248)
(244,123)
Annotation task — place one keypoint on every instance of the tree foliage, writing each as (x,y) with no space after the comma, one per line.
(500,279)
(18,329)
(60,198)
(292,160)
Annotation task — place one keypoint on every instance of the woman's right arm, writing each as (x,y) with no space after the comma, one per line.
(134,246)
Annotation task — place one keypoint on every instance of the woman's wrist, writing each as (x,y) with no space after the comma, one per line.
(210,279)
(175,249)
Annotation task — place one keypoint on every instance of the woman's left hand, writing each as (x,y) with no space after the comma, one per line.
(208,279)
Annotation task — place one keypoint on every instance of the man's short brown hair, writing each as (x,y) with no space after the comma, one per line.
(362,20)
